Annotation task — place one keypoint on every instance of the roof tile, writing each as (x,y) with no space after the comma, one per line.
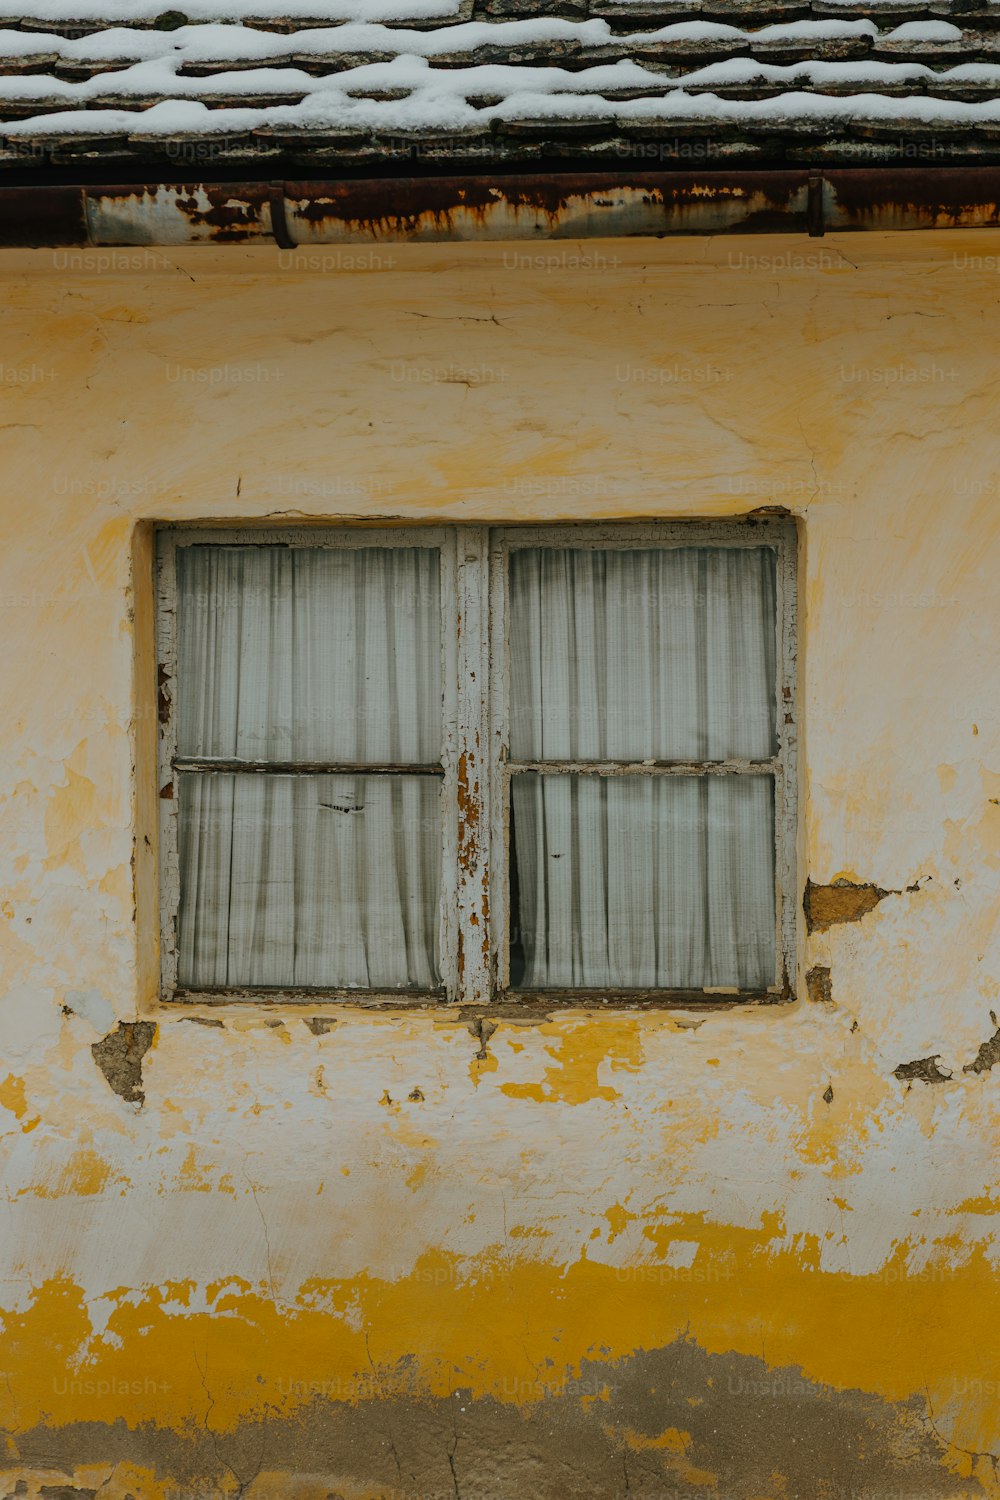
(356,81)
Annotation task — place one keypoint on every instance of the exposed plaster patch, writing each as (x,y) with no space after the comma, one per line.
(320,1025)
(119,1056)
(828,1094)
(924,1069)
(482,1030)
(768,513)
(988,1054)
(204,1021)
(819,985)
(844,901)
(670,1415)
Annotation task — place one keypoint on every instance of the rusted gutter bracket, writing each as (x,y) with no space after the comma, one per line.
(814,212)
(279,220)
(553,206)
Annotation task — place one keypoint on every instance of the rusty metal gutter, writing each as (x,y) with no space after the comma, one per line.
(553,206)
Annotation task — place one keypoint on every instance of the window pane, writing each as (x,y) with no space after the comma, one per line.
(309,880)
(664,654)
(288,653)
(662,882)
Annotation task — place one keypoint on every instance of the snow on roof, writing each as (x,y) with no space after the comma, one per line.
(366,81)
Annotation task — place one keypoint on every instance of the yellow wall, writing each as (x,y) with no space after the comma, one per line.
(731,1256)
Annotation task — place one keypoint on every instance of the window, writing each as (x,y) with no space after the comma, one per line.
(460,764)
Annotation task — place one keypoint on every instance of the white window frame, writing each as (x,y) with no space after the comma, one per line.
(476,766)
(782,767)
(169,540)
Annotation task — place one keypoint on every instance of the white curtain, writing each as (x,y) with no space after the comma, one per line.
(309,655)
(643,881)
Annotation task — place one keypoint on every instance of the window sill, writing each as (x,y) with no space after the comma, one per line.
(513,1004)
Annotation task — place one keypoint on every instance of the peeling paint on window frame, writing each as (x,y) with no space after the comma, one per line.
(475,767)
(779,533)
(168,540)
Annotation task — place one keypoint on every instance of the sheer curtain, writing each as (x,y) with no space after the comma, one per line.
(640,880)
(309,655)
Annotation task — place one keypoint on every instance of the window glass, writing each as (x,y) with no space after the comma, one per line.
(308,657)
(309,880)
(309,653)
(642,880)
(659,654)
(649,882)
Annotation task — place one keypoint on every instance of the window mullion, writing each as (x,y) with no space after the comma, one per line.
(786,772)
(474,968)
(167,778)
(499,774)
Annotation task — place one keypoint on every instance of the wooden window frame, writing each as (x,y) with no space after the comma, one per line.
(169,540)
(476,768)
(781,768)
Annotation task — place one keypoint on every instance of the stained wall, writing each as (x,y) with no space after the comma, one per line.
(749,1254)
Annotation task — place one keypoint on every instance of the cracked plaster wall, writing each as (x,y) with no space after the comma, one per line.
(264,1260)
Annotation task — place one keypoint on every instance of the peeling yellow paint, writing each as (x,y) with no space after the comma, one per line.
(85,1174)
(579,1053)
(798,1312)
(12,1097)
(73,810)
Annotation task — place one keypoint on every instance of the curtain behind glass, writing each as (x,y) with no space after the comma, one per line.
(309,881)
(658,655)
(648,882)
(294,653)
(301,654)
(669,654)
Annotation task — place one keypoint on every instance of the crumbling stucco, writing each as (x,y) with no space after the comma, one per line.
(674,1422)
(922,1070)
(988,1054)
(320,1025)
(482,1028)
(819,985)
(119,1056)
(844,901)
